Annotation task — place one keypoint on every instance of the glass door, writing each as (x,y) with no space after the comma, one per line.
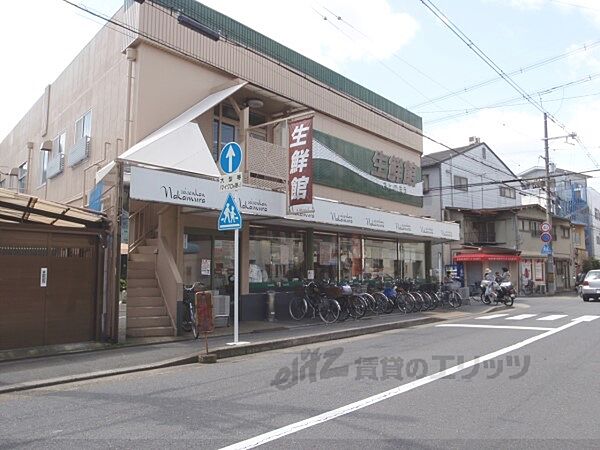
(223,254)
(197,260)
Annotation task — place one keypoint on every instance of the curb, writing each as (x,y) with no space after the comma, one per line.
(230,352)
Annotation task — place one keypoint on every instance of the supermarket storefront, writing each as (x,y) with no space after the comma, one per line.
(278,250)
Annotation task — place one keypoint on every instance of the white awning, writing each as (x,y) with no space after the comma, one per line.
(179,144)
(104,171)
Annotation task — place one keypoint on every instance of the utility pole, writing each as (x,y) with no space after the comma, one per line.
(550,281)
(550,261)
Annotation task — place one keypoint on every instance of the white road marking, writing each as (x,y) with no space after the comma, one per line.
(352,407)
(553,317)
(586,318)
(492,316)
(521,317)
(500,327)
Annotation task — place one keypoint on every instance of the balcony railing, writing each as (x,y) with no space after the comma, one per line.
(480,237)
(80,151)
(267,164)
(55,165)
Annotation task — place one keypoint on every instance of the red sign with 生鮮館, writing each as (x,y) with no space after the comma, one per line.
(300,165)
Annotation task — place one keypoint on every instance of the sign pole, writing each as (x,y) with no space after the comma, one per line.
(236,303)
(231,219)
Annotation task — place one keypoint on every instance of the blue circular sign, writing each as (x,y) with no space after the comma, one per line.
(546,237)
(231,157)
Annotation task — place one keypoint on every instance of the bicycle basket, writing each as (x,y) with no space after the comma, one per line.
(333,291)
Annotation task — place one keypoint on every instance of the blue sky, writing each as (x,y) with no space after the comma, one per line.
(375,39)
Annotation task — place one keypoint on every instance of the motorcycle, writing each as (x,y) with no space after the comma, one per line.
(503,292)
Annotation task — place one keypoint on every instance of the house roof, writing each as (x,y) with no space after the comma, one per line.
(23,208)
(432,159)
(556,171)
(489,211)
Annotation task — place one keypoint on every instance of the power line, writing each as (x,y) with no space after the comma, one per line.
(395,55)
(519,71)
(304,76)
(390,69)
(490,62)
(510,102)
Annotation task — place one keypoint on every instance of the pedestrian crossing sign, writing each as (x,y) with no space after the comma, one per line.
(230,217)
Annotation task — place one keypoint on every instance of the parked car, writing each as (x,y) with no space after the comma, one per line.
(590,288)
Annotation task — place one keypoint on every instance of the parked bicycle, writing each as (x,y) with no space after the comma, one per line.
(448,294)
(190,318)
(313,296)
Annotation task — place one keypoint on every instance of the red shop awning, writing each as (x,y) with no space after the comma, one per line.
(465,257)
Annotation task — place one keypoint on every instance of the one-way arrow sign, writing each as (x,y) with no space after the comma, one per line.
(231,157)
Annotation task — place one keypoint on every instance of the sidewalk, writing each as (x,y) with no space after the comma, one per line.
(50,370)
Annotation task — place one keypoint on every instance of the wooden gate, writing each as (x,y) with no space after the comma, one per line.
(48,286)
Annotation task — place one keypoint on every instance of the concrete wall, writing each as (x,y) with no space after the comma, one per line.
(95,81)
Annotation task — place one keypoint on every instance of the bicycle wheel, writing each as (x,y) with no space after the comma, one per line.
(358,306)
(454,299)
(194,321)
(298,308)
(370,302)
(401,303)
(344,309)
(435,299)
(186,323)
(411,302)
(426,300)
(418,301)
(389,305)
(329,310)
(382,302)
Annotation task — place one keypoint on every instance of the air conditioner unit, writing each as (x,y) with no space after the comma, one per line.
(46,146)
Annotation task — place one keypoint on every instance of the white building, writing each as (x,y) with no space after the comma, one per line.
(465,177)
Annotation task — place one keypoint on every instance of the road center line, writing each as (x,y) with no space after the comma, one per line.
(501,327)
(347,409)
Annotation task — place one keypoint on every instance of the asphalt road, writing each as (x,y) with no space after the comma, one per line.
(536,388)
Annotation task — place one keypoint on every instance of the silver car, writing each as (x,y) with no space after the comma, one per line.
(590,288)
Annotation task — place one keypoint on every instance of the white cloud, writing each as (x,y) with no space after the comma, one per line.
(590,9)
(34,55)
(516,136)
(331,42)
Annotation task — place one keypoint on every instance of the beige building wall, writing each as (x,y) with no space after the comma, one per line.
(95,81)
(167,86)
(531,246)
(236,60)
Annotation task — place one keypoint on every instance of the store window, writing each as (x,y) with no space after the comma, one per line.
(325,254)
(276,258)
(351,257)
(413,260)
(380,259)
(209,260)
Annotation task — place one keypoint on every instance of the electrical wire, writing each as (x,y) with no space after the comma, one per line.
(519,71)
(374,110)
(490,62)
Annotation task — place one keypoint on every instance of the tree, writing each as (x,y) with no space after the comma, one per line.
(590,264)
